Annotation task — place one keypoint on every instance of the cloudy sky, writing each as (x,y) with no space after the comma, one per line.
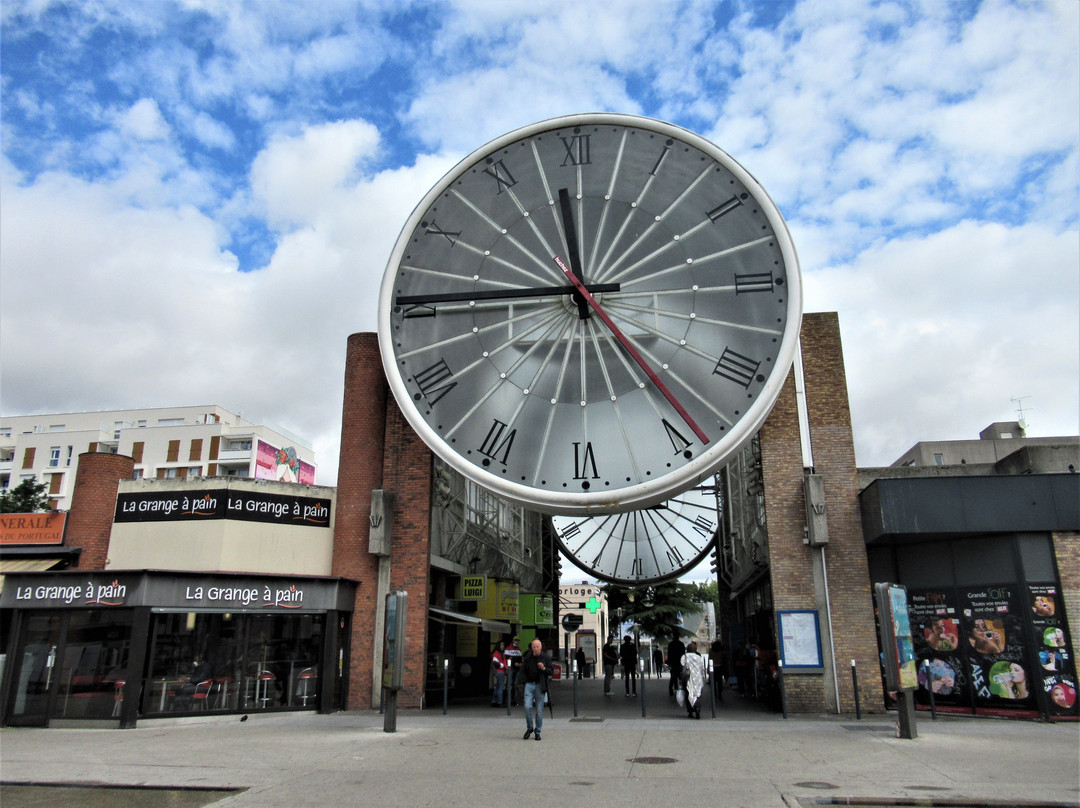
(198,197)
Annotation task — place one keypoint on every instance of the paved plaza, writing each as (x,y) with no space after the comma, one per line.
(609,755)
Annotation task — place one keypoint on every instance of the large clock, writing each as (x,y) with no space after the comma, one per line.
(589,314)
(646,546)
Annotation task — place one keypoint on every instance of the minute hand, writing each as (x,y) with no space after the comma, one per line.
(630,349)
(500,294)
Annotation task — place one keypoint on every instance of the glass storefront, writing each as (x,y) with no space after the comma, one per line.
(118,647)
(232,662)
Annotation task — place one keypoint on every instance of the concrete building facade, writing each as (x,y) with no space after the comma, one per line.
(166,442)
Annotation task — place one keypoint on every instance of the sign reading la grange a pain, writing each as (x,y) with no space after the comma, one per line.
(222,503)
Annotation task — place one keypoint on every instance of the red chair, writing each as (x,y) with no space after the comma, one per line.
(201,697)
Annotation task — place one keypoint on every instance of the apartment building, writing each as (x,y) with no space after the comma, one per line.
(165,442)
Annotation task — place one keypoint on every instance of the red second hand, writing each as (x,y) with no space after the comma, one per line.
(679,408)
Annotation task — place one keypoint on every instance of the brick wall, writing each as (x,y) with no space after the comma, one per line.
(360,471)
(380,450)
(407,468)
(93,505)
(791,563)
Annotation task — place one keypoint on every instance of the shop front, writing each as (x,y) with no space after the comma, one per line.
(985,590)
(113,647)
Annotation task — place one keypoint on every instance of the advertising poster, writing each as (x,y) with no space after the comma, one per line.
(905,647)
(1056,676)
(282,465)
(935,625)
(991,631)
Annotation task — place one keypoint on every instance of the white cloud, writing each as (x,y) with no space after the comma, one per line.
(298,178)
(143,121)
(928,167)
(941,332)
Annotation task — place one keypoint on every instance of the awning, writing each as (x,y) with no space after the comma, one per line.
(25,565)
(492,626)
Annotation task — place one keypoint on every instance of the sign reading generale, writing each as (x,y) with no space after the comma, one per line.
(222,503)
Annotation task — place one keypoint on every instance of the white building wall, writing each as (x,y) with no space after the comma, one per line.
(55,441)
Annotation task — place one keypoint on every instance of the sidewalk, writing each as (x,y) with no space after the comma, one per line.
(610,755)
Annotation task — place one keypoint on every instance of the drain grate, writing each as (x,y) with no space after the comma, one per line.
(651,760)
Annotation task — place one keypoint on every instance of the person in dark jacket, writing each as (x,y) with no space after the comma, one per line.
(675,651)
(628,658)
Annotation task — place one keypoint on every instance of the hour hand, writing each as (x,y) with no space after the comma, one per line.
(500,294)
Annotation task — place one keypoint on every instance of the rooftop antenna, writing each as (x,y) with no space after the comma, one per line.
(1019,401)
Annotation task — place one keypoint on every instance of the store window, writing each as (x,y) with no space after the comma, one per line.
(94,673)
(232,662)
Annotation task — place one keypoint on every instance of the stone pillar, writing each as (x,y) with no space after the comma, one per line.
(93,505)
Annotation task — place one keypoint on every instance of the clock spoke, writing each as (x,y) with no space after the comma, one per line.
(629,346)
(614,304)
(601,225)
(545,269)
(647,232)
(555,398)
(595,334)
(437,345)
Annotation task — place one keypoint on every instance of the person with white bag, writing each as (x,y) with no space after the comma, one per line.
(693,680)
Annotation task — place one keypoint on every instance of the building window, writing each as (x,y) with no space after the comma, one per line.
(54,456)
(137,474)
(56,427)
(194,471)
(170,421)
(939,459)
(171,474)
(70,451)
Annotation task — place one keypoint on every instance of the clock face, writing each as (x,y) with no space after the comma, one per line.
(646,546)
(589,314)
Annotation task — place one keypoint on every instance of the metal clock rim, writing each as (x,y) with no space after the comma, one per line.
(638,495)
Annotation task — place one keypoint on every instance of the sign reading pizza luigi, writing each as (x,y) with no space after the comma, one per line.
(473,587)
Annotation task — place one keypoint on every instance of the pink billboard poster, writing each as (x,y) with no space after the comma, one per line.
(272,463)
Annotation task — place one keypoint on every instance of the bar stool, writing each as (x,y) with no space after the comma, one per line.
(118,695)
(262,687)
(303,679)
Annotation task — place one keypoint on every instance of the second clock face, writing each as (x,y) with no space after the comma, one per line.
(590,314)
(646,546)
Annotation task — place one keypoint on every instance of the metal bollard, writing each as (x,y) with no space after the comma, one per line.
(783,693)
(641,676)
(712,687)
(855,685)
(573,676)
(445,684)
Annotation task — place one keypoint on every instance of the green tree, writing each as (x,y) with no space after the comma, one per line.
(29,496)
(708,592)
(656,609)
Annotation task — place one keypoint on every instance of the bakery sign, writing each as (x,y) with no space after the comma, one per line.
(222,503)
